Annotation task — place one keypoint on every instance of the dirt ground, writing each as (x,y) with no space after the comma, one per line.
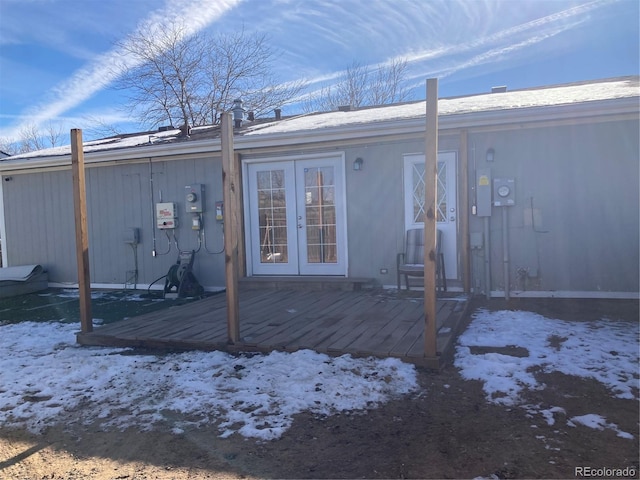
(447,430)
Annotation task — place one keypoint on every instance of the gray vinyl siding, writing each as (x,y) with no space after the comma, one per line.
(39,221)
(375,205)
(581,180)
(583,183)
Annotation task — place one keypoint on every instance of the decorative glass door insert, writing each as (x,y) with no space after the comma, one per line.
(417,193)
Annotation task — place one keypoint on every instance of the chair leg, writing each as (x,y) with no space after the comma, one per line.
(443,273)
(406,281)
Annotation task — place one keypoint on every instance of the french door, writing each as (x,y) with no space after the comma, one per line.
(296,217)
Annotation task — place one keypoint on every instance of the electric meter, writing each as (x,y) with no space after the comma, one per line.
(194,198)
(504,192)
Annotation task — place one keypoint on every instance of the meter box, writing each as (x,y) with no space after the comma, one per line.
(504,192)
(166,215)
(194,198)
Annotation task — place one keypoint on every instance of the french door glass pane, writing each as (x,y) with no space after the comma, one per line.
(320,214)
(272,216)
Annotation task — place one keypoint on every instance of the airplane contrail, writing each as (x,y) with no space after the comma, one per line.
(193,15)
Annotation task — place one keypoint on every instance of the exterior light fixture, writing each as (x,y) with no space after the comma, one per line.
(357,164)
(491,153)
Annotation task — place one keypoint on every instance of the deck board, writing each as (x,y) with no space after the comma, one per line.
(361,323)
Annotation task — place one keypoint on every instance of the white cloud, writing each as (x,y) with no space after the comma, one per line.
(107,67)
(446,55)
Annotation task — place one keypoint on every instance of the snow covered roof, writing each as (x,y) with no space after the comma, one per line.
(517,99)
(472,108)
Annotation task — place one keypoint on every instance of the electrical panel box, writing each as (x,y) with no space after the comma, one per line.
(483,192)
(194,198)
(504,192)
(166,215)
(476,240)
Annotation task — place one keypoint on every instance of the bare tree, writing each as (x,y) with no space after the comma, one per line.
(8,146)
(100,128)
(360,86)
(191,80)
(32,138)
(386,85)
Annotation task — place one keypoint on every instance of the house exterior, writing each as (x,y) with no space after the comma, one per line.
(538,195)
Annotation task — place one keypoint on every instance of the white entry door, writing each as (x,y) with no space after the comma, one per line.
(296,217)
(446,205)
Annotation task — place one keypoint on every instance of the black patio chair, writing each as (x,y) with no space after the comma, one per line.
(410,263)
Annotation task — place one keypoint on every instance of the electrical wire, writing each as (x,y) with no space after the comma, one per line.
(204,236)
(166,232)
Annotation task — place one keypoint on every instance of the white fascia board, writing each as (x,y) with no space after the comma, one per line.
(531,115)
(115,155)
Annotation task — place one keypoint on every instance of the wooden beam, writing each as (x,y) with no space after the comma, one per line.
(231,197)
(82,235)
(463,211)
(430,220)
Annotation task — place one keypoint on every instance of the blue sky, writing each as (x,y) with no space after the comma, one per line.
(56,56)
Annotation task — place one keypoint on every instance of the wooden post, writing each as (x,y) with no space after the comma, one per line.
(231,197)
(463,212)
(82,232)
(430,218)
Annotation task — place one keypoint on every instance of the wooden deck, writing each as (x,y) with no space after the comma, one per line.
(361,323)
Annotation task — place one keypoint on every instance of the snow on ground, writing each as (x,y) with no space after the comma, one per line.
(597,422)
(606,351)
(47,379)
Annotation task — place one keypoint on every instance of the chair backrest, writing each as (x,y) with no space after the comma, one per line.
(414,251)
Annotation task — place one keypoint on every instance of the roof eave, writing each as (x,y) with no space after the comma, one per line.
(386,128)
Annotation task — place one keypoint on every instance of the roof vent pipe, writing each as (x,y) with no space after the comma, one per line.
(238,113)
(278,113)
